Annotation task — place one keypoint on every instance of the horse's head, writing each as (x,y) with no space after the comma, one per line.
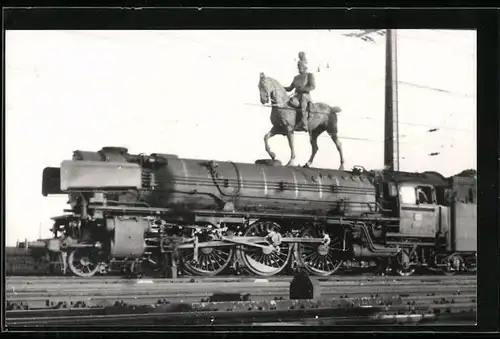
(264,89)
(272,90)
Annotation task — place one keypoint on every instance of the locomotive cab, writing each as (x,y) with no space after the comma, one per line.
(418,210)
(418,200)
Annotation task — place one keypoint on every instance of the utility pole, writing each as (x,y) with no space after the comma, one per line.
(391,144)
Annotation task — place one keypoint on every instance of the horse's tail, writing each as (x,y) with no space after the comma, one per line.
(335,109)
(331,123)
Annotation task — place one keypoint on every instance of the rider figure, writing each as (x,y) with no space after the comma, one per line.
(303,83)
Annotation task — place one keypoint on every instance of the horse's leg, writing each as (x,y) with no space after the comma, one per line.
(313,138)
(268,136)
(289,136)
(332,131)
(339,148)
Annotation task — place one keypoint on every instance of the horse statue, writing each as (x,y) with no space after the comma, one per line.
(286,120)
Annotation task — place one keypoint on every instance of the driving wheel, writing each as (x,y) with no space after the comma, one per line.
(270,259)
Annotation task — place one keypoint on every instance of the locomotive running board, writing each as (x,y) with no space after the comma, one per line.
(248,215)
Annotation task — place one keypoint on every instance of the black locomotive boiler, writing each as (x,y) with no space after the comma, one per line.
(151,212)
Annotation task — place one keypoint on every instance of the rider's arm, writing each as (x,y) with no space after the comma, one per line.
(311,83)
(291,87)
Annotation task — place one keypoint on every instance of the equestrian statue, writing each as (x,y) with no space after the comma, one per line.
(298,113)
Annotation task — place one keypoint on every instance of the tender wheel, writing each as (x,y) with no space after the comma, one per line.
(453,264)
(83,262)
(265,261)
(320,259)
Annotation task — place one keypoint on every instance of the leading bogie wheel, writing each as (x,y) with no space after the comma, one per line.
(84,262)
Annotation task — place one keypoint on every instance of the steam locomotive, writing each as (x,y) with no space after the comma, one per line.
(159,213)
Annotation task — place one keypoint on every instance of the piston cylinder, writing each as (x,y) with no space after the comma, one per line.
(128,237)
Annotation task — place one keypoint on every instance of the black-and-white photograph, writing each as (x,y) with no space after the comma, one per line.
(240,177)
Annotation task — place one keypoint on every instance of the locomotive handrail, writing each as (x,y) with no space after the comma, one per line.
(237,170)
(381,208)
(272,184)
(128,203)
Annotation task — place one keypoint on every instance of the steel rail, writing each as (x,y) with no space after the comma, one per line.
(273,292)
(199,279)
(264,282)
(13,291)
(410,299)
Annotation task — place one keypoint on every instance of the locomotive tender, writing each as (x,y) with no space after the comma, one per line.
(140,212)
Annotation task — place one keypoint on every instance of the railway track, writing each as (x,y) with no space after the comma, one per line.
(308,317)
(106,301)
(93,298)
(116,279)
(68,282)
(334,312)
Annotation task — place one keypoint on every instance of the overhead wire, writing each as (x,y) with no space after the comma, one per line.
(444,119)
(190,40)
(399,35)
(406,34)
(345,137)
(402,82)
(267,59)
(444,145)
(199,42)
(456,49)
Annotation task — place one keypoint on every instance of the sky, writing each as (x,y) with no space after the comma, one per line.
(194,94)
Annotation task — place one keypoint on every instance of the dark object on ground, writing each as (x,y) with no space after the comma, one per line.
(223,296)
(303,287)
